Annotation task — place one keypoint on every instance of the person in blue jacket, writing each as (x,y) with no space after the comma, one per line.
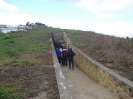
(58,53)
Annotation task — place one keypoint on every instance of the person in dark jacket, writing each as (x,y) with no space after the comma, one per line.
(70,55)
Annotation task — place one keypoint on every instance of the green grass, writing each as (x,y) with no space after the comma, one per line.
(20,63)
(7,93)
(23,49)
(13,45)
(29,48)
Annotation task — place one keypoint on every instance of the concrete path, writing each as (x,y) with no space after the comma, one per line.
(83,87)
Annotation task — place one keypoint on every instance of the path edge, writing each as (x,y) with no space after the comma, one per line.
(63,87)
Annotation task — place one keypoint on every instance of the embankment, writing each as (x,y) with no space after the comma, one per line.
(106,77)
(63,87)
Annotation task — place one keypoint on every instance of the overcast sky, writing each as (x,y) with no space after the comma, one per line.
(112,17)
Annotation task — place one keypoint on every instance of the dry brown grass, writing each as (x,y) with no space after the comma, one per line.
(106,49)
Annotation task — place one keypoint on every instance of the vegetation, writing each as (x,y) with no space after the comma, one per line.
(20,48)
(106,49)
(7,93)
(26,49)
(20,54)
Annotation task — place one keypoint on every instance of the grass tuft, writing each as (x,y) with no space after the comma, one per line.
(7,93)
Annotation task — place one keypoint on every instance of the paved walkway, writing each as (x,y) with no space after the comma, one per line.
(83,87)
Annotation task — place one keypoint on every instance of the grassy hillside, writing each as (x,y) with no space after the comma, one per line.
(111,51)
(25,59)
(18,49)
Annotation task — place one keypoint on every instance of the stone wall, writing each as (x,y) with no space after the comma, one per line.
(57,38)
(63,87)
(106,77)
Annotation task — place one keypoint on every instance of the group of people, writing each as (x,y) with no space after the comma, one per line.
(65,56)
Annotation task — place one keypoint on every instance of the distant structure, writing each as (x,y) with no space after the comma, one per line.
(27,26)
(22,27)
(40,24)
(8,29)
(3,26)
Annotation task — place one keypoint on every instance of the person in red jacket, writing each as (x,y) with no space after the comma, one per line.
(64,57)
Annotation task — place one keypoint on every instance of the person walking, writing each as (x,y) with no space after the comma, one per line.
(70,55)
(58,53)
(64,57)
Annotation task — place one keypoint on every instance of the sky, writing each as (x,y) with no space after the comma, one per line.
(111,17)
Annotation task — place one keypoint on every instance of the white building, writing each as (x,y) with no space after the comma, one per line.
(8,29)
